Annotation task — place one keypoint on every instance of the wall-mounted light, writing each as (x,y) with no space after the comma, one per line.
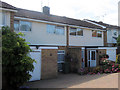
(37,47)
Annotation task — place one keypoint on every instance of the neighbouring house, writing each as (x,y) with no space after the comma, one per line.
(112,32)
(7,15)
(119,13)
(52,37)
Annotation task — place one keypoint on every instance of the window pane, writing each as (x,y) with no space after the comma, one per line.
(88,55)
(93,55)
(3,18)
(25,26)
(73,31)
(60,30)
(51,29)
(94,33)
(60,57)
(16,25)
(80,32)
(83,54)
(99,33)
(61,51)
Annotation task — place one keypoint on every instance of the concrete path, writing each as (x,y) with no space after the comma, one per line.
(77,81)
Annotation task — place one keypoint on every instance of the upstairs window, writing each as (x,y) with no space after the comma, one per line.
(55,29)
(25,26)
(51,29)
(73,31)
(16,25)
(76,31)
(22,25)
(4,17)
(80,32)
(96,33)
(60,30)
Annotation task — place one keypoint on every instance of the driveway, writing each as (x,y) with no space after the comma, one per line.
(77,81)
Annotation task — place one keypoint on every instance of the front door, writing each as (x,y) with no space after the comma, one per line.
(92,58)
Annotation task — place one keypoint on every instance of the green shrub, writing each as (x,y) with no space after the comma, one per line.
(118,41)
(16,64)
(109,66)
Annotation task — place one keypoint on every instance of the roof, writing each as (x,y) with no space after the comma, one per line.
(53,18)
(104,24)
(7,6)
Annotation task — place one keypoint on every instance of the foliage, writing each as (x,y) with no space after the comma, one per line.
(118,41)
(109,66)
(16,64)
(95,70)
(118,59)
(83,71)
(103,56)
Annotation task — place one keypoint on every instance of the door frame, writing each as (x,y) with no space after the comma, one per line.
(89,58)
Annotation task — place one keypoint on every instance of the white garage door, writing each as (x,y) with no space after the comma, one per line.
(36,74)
(112,54)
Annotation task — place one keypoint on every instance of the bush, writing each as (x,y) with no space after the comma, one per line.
(16,64)
(118,41)
(118,59)
(83,71)
(96,70)
(109,66)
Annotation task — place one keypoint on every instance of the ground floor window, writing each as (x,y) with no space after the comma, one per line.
(61,59)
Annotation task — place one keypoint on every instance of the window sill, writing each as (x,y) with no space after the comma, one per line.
(55,34)
(75,36)
(97,37)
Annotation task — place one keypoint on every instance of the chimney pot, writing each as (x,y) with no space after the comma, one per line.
(46,10)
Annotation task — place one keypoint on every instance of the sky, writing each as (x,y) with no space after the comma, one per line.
(98,10)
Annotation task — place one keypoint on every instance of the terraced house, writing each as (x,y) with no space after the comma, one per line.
(52,38)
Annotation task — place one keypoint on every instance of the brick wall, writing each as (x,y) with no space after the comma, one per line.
(105,38)
(49,63)
(12,21)
(75,54)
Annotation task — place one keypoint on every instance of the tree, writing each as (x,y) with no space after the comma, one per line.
(16,64)
(118,41)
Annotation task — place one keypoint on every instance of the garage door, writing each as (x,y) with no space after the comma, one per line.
(36,74)
(112,54)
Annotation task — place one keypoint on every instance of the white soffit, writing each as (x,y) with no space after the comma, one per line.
(95,23)
(107,47)
(8,10)
(34,48)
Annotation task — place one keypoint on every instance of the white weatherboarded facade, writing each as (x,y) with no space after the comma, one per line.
(86,39)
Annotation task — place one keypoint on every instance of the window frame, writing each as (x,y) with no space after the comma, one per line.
(20,25)
(76,33)
(4,18)
(55,29)
(97,34)
(63,54)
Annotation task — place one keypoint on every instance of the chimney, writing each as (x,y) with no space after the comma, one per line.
(46,10)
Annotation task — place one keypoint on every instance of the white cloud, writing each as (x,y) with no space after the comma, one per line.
(80,9)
